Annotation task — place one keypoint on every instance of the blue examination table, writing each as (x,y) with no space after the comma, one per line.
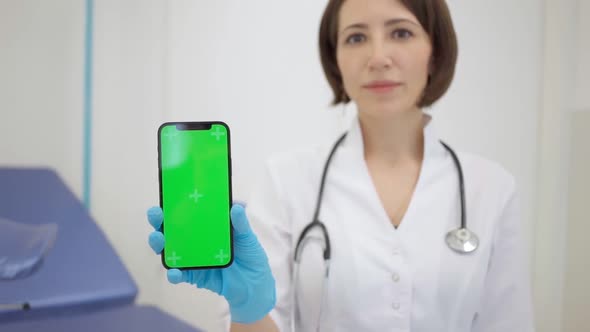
(81,284)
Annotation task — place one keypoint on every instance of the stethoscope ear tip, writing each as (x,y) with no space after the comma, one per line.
(462,240)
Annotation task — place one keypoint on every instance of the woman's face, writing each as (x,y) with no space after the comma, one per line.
(383,54)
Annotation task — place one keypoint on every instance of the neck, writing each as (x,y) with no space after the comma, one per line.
(393,141)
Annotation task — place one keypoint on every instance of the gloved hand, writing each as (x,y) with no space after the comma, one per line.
(247,284)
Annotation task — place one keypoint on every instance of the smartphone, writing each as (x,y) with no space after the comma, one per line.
(194,162)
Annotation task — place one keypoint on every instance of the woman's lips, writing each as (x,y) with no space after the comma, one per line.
(381,86)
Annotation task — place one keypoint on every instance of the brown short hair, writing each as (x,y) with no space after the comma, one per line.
(435,18)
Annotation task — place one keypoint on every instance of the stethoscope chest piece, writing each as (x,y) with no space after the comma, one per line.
(462,240)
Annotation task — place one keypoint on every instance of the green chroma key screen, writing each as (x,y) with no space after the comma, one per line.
(195,194)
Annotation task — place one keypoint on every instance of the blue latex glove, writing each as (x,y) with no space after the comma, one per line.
(247,284)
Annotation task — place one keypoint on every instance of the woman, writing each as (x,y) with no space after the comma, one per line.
(390,196)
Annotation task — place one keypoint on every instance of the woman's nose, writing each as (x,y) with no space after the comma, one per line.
(379,57)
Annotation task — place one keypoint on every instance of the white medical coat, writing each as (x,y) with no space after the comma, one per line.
(388,279)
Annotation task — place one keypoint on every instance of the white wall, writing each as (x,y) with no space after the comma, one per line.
(159,60)
(576,291)
(41,90)
(577,270)
(557,219)
(581,59)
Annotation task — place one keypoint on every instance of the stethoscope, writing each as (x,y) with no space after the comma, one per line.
(460,240)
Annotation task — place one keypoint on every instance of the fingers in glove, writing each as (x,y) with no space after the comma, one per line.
(239,220)
(155,217)
(156,242)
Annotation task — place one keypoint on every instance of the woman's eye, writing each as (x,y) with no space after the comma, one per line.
(355,39)
(401,34)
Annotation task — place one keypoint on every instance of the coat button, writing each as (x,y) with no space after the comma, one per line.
(396,306)
(395,277)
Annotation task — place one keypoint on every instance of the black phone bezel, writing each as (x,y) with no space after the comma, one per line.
(197,125)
